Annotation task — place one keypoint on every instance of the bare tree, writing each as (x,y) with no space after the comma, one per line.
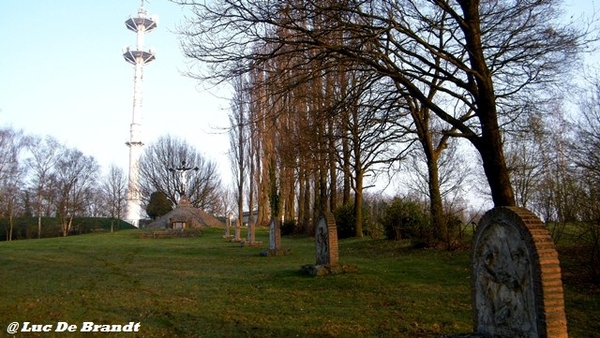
(541,164)
(587,147)
(12,144)
(238,138)
(376,135)
(441,177)
(491,54)
(114,187)
(586,152)
(300,126)
(10,189)
(202,187)
(527,158)
(73,182)
(45,154)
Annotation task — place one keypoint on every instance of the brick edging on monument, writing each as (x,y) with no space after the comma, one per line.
(546,273)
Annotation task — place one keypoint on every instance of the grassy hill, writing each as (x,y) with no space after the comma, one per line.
(208,287)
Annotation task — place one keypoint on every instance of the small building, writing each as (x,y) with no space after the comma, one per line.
(246,217)
(185,216)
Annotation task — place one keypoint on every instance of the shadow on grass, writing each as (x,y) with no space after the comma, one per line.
(207,287)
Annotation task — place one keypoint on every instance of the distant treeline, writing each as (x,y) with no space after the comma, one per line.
(27,227)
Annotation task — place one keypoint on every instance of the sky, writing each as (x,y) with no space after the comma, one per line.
(62,74)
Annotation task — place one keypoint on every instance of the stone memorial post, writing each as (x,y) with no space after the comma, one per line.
(275,248)
(251,229)
(326,244)
(228,223)
(238,230)
(517,287)
(327,241)
(274,235)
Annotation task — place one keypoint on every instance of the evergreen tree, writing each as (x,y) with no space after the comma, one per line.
(159,205)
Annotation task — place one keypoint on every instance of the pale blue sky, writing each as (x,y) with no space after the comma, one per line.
(62,73)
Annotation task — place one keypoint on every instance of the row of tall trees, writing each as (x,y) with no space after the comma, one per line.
(309,148)
(331,91)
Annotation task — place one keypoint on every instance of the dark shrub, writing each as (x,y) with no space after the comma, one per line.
(405,220)
(158,205)
(288,228)
(345,221)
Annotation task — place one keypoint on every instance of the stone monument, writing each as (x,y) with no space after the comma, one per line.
(185,216)
(516,277)
(327,241)
(228,222)
(274,234)
(275,248)
(327,249)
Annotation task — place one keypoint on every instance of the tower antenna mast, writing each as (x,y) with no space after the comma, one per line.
(138,57)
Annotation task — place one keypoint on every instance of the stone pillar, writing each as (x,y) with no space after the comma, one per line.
(251,230)
(328,259)
(327,241)
(228,226)
(517,287)
(274,235)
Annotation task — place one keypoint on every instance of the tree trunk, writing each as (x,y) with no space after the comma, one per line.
(262,185)
(240,192)
(39,212)
(489,144)
(421,117)
(238,223)
(289,208)
(346,170)
(318,201)
(436,206)
(67,226)
(301,191)
(333,199)
(11,227)
(496,172)
(358,204)
(251,223)
(346,157)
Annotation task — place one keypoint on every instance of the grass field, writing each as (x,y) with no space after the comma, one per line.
(208,287)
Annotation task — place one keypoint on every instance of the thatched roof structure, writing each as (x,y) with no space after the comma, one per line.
(185,216)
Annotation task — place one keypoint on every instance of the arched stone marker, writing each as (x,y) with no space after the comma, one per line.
(326,240)
(326,245)
(517,287)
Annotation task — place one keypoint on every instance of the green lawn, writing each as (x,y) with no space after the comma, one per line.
(208,287)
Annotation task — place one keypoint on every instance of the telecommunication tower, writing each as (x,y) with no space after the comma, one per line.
(138,57)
